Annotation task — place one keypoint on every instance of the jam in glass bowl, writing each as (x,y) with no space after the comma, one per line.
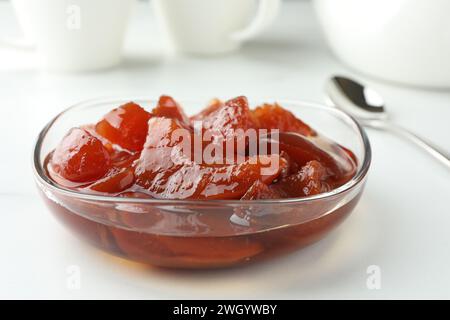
(201,233)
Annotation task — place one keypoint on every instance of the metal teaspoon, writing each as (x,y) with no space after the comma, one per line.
(367,106)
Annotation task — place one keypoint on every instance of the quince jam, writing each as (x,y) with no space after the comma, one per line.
(164,154)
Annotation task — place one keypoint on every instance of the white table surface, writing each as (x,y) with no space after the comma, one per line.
(402,223)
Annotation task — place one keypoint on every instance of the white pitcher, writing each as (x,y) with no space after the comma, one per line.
(406,41)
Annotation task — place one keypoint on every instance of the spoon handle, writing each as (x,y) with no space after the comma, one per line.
(435,151)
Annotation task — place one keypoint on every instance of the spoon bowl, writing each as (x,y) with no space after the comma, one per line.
(362,102)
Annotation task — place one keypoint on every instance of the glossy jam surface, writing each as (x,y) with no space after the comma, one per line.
(132,152)
(140,154)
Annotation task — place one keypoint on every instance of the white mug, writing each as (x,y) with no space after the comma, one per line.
(73,35)
(213,26)
(406,41)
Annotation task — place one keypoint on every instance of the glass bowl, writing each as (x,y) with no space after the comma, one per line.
(206,233)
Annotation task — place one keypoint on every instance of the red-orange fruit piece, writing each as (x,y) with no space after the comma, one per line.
(212,106)
(225,120)
(125,126)
(80,157)
(260,190)
(165,172)
(302,151)
(158,160)
(116,180)
(167,107)
(289,166)
(222,182)
(273,116)
(310,180)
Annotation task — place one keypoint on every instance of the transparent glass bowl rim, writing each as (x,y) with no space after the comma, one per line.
(46,182)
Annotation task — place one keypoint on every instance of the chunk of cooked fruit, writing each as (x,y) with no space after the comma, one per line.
(80,157)
(232,181)
(204,182)
(302,150)
(133,153)
(165,172)
(296,151)
(223,122)
(310,180)
(289,166)
(273,116)
(167,107)
(115,181)
(213,105)
(158,159)
(260,190)
(125,126)
(120,176)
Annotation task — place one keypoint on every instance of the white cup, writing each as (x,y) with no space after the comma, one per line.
(73,35)
(213,26)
